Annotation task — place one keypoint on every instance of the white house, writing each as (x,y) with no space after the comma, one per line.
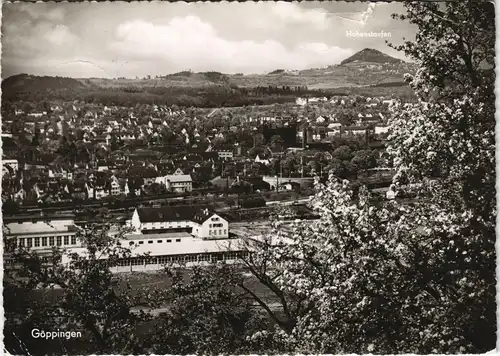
(208,225)
(335,125)
(381,129)
(225,154)
(199,222)
(391,193)
(301,101)
(115,188)
(37,114)
(334,132)
(178,183)
(95,192)
(320,119)
(354,130)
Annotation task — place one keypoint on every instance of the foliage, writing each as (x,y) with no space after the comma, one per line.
(364,159)
(207,314)
(450,133)
(343,153)
(388,277)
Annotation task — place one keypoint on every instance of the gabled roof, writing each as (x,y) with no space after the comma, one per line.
(202,215)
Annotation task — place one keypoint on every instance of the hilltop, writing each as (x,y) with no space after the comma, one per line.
(370,55)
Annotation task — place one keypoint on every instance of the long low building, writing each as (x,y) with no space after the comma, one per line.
(160,236)
(151,252)
(177,247)
(41,233)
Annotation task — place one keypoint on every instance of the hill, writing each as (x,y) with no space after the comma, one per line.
(367,68)
(35,83)
(369,55)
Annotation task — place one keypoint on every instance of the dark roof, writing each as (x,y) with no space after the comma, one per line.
(355,128)
(143,172)
(9,143)
(32,217)
(76,186)
(256,182)
(169,213)
(208,155)
(202,215)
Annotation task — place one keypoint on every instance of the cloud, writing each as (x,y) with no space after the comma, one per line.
(60,35)
(35,30)
(25,39)
(293,13)
(190,43)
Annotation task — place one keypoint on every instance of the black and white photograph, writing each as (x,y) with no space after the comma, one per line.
(216,178)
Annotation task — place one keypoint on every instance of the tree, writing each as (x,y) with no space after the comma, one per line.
(157,189)
(10,207)
(204,173)
(343,153)
(277,142)
(258,140)
(435,290)
(336,167)
(452,128)
(364,159)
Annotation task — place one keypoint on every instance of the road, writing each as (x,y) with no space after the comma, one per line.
(289,202)
(273,203)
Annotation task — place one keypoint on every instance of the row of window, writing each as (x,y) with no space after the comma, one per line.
(216,225)
(151,241)
(165,225)
(214,232)
(161,260)
(47,241)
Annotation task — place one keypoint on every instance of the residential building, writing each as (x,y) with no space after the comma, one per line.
(381,129)
(225,155)
(177,182)
(200,222)
(355,130)
(114,186)
(95,191)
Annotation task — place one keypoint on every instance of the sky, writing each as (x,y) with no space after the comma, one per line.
(118,39)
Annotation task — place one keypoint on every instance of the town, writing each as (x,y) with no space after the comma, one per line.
(248,178)
(92,161)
